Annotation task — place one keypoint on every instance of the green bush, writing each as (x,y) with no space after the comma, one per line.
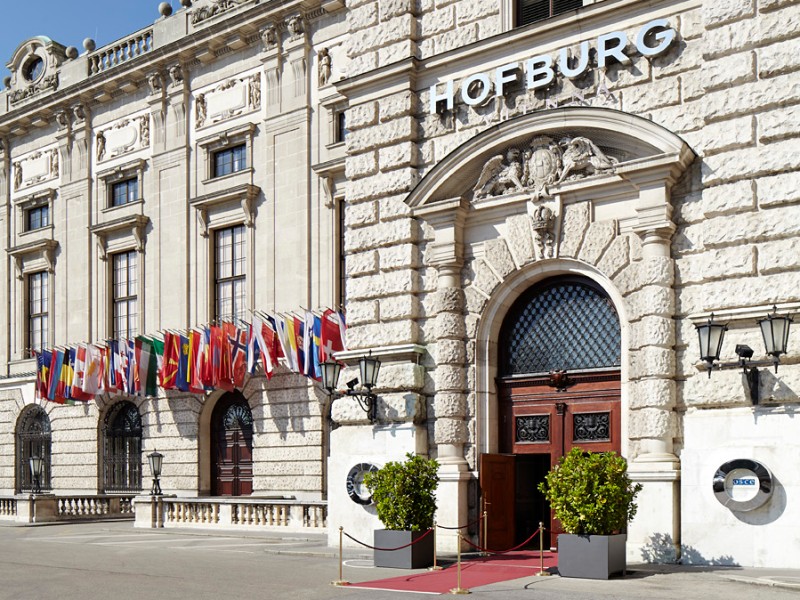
(403,493)
(591,493)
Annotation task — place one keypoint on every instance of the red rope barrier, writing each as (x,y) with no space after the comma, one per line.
(419,539)
(462,526)
(502,551)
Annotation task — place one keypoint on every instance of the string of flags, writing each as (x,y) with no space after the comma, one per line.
(214,356)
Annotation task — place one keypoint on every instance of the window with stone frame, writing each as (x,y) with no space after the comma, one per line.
(531,11)
(340,124)
(37,217)
(230,267)
(125,191)
(125,301)
(230,160)
(38,310)
(122,185)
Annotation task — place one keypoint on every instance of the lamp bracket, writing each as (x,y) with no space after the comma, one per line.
(367,401)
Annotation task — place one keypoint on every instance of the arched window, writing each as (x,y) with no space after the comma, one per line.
(33,439)
(562,323)
(122,449)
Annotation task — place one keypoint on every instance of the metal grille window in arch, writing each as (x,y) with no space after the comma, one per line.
(122,458)
(564,324)
(33,439)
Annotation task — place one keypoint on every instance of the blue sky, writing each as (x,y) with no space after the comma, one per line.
(70,21)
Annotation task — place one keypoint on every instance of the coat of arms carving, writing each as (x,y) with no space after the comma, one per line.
(542,164)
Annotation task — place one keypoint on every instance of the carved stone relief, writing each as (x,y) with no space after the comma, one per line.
(269,37)
(324,67)
(215,8)
(228,99)
(543,163)
(33,169)
(123,137)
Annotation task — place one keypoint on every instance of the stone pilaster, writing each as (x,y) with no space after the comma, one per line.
(450,377)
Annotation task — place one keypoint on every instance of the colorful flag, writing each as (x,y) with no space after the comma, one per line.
(196,343)
(93,371)
(78,391)
(204,364)
(311,347)
(133,368)
(182,377)
(262,340)
(238,350)
(43,359)
(148,367)
(331,335)
(57,360)
(284,336)
(169,368)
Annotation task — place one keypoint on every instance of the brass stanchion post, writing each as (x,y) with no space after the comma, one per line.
(485,530)
(541,572)
(434,567)
(341,580)
(458,589)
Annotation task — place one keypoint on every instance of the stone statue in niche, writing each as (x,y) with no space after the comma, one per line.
(582,154)
(500,175)
(54,163)
(255,90)
(543,221)
(144,131)
(544,163)
(200,110)
(324,67)
(17,175)
(101,145)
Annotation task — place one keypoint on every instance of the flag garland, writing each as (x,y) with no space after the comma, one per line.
(214,356)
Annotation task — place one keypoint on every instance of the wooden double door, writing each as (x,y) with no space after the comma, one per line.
(232,447)
(538,425)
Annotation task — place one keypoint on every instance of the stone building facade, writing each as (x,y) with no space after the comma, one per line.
(511,199)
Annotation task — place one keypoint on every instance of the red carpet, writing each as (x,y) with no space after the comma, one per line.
(474,573)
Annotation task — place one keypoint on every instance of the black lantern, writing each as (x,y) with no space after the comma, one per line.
(37,470)
(369,368)
(775,330)
(330,375)
(155,459)
(367,400)
(711,335)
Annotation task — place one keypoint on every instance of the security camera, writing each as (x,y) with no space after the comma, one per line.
(744,351)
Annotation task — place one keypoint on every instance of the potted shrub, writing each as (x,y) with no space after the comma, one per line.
(403,493)
(593,498)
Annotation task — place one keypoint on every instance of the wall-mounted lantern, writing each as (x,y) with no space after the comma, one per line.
(369,368)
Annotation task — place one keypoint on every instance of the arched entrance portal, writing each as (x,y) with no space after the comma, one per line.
(558,387)
(232,447)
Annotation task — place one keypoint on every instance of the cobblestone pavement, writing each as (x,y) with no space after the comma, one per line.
(114,560)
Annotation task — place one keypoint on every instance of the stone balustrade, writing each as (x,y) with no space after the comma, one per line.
(41,508)
(121,51)
(232,513)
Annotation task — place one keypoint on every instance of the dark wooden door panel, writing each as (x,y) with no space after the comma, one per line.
(497,481)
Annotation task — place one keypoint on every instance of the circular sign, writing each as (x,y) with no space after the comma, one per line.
(358,492)
(742,484)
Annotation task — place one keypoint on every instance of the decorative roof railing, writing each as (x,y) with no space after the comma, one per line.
(121,51)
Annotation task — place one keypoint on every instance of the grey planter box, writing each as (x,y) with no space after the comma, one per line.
(417,556)
(591,556)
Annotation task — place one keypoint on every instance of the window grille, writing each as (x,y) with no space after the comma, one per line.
(530,11)
(33,439)
(122,456)
(563,324)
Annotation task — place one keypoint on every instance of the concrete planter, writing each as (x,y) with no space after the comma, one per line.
(591,556)
(417,556)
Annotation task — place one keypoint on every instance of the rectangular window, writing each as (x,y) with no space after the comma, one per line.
(125,297)
(341,126)
(125,192)
(229,272)
(37,310)
(530,11)
(37,217)
(230,160)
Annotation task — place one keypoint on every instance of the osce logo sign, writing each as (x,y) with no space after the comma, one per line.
(653,39)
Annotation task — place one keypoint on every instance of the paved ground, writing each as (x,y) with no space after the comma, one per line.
(114,560)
